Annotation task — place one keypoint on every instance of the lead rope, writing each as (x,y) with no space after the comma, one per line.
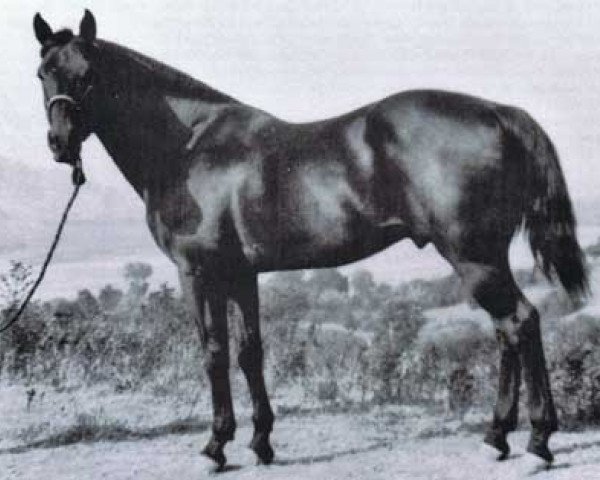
(78,179)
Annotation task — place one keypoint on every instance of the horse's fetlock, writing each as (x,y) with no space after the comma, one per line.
(263,420)
(224,427)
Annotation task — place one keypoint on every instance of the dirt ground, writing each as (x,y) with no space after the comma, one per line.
(373,445)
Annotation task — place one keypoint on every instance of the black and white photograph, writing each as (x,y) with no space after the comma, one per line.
(300,240)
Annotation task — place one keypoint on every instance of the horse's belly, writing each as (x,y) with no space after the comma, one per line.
(323,221)
(346,243)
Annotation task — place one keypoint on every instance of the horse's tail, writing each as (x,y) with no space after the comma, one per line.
(548,214)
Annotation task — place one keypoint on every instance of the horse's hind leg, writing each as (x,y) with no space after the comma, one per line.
(542,412)
(517,322)
(506,411)
(250,359)
(213,330)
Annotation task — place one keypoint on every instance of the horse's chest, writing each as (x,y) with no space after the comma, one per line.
(179,222)
(191,219)
(175,208)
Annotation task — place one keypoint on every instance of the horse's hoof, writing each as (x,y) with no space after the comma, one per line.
(214,451)
(497,439)
(262,448)
(541,450)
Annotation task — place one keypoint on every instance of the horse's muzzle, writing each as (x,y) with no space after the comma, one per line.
(63,152)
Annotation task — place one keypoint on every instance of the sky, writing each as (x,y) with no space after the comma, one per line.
(309,59)
(301,60)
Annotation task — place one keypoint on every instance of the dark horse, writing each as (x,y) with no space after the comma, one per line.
(231,191)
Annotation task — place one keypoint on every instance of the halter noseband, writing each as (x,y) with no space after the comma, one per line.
(67,98)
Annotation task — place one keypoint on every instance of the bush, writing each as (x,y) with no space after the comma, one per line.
(392,351)
(575,375)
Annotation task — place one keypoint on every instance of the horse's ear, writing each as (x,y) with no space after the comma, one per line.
(87,27)
(42,30)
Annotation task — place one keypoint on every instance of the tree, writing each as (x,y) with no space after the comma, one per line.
(327,279)
(362,282)
(284,298)
(22,338)
(88,303)
(137,273)
(15,284)
(110,298)
(397,327)
(163,298)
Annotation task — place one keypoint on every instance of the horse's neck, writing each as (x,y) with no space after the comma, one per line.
(146,129)
(139,137)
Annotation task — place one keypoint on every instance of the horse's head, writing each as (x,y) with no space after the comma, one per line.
(67,77)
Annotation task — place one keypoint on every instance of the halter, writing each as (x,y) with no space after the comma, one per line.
(67,98)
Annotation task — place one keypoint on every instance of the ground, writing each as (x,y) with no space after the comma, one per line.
(376,443)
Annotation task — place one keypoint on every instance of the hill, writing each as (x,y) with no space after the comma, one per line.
(32,201)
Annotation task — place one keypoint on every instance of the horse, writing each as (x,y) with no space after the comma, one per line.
(232,191)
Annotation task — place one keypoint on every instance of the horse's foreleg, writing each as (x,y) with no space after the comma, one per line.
(214,338)
(250,360)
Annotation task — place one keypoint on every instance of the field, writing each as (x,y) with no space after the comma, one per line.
(379,443)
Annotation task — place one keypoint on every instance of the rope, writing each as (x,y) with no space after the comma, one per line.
(78,180)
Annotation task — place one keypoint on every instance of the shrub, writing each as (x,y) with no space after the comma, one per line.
(575,375)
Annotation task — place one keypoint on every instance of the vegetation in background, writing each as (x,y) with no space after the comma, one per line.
(338,339)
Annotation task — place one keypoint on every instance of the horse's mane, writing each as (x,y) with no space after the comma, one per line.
(153,73)
(142,69)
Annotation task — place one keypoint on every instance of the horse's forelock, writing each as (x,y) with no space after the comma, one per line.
(59,38)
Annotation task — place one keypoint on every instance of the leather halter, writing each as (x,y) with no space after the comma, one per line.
(67,98)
